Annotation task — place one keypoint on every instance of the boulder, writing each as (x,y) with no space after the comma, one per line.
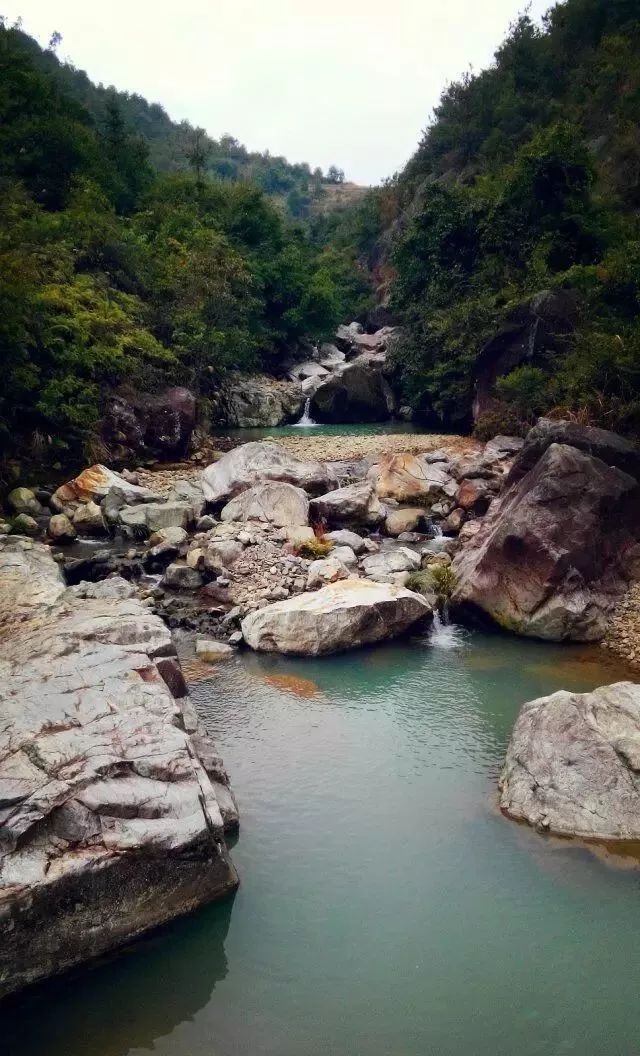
(343,615)
(573,764)
(308,369)
(113,587)
(256,463)
(221,554)
(474,496)
(248,401)
(153,516)
(275,502)
(407,477)
(94,483)
(610,448)
(407,519)
(355,504)
(554,552)
(24,524)
(60,528)
(343,537)
(160,425)
(170,536)
(213,652)
(345,555)
(23,500)
(89,520)
(387,562)
(181,577)
(111,798)
(357,394)
(327,570)
(188,491)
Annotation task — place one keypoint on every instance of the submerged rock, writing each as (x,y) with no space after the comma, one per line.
(343,615)
(111,800)
(573,764)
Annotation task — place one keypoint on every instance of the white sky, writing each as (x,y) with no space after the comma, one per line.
(345,82)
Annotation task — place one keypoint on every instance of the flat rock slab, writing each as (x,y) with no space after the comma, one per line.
(573,764)
(343,615)
(111,822)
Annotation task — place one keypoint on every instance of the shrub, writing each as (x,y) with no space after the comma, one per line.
(314,549)
(502,421)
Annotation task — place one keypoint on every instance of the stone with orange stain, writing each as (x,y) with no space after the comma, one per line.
(95,482)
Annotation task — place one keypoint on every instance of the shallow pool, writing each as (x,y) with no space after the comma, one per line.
(386,907)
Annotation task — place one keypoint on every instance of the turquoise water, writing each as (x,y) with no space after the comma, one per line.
(386,908)
(375,429)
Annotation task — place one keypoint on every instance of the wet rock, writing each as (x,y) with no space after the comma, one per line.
(275,502)
(573,764)
(343,615)
(213,652)
(356,504)
(255,463)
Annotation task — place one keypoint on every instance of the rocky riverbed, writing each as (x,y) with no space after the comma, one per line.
(276,549)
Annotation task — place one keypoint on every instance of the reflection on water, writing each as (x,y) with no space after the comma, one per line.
(386,907)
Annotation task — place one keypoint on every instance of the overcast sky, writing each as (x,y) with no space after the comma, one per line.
(345,82)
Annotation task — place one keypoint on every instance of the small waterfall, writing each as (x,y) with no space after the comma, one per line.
(445,635)
(306,420)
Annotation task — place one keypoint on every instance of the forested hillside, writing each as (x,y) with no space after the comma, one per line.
(511,240)
(175,147)
(113,274)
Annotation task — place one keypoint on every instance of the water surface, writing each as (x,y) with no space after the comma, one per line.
(386,907)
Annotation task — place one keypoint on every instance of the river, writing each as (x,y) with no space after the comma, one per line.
(386,907)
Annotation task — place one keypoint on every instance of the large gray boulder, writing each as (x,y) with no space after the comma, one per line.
(359,393)
(573,764)
(153,516)
(113,805)
(386,562)
(343,615)
(256,463)
(557,550)
(275,502)
(249,401)
(355,505)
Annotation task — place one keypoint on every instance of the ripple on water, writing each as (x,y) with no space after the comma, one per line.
(386,906)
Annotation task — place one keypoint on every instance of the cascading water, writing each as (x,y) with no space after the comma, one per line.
(306,421)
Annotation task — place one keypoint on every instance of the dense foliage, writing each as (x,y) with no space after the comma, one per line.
(528,180)
(113,275)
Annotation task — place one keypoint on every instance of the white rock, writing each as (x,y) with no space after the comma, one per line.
(343,615)
(343,537)
(353,504)
(326,570)
(400,559)
(276,502)
(256,463)
(213,652)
